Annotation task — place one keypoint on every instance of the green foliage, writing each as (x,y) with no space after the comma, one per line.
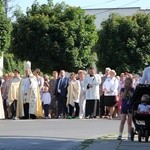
(55,37)
(5,30)
(124,42)
(11,63)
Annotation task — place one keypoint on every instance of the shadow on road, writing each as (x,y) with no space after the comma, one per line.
(37,143)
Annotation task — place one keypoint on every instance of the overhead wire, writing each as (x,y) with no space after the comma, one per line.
(117,7)
(98,4)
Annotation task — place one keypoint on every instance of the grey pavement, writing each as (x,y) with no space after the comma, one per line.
(52,134)
(64,134)
(59,128)
(35,143)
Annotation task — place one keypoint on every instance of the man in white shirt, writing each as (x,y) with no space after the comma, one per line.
(91,84)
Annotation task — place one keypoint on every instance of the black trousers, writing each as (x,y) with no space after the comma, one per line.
(102,107)
(46,110)
(71,110)
(26,112)
(62,108)
(5,108)
(13,108)
(92,108)
(77,109)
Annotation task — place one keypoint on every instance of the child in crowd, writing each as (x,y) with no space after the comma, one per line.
(126,94)
(144,107)
(46,100)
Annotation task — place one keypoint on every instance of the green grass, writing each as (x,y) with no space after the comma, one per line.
(111,136)
(86,143)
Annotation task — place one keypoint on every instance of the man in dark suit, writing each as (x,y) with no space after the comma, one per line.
(61,92)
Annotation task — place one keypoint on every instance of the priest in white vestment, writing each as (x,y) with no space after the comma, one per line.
(29,102)
(92,82)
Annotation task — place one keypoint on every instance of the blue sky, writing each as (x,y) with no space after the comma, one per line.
(145,4)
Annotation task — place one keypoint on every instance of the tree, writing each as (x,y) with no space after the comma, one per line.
(5,30)
(55,37)
(11,63)
(124,42)
(8,7)
(5,2)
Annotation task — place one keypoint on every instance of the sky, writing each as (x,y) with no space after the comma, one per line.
(87,4)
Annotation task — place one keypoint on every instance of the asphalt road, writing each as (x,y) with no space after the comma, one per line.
(52,134)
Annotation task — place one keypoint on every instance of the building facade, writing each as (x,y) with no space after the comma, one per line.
(103,13)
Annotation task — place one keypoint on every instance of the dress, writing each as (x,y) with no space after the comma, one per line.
(126,103)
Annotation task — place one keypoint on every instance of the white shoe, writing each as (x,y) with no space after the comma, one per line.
(15,118)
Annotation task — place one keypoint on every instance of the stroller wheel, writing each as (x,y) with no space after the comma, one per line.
(139,136)
(132,134)
(146,135)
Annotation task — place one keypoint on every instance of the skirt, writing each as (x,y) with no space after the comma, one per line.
(109,100)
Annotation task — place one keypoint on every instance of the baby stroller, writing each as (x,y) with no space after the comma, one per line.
(140,121)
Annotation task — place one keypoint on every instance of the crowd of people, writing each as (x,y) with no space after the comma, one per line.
(85,94)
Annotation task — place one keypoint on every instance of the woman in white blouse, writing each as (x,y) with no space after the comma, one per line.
(110,88)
